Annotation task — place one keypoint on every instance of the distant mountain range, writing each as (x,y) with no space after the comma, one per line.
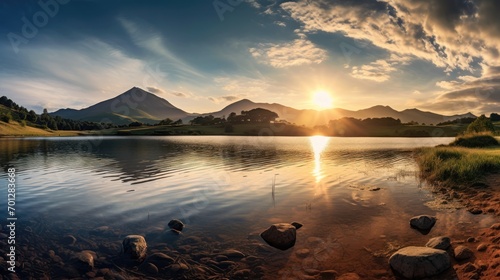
(139,105)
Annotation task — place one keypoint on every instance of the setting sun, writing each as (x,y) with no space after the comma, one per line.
(322,100)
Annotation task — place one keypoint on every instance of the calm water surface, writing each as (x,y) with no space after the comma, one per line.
(221,187)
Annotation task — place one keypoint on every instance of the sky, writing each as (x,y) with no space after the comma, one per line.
(201,55)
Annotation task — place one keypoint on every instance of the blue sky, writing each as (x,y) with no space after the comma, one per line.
(202,55)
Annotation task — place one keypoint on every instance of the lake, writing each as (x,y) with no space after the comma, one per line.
(354,196)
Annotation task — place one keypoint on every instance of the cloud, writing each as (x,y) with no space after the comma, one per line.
(298,52)
(280,23)
(226,98)
(254,3)
(379,70)
(155,90)
(450,35)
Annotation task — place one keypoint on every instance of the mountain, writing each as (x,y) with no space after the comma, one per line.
(133,105)
(142,106)
(313,117)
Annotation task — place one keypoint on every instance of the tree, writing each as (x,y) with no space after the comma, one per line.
(259,115)
(494,117)
(177,122)
(481,124)
(166,121)
(6,117)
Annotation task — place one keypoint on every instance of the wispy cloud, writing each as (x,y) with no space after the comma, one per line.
(225,98)
(298,52)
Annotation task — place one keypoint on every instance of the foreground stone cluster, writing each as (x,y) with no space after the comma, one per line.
(438,255)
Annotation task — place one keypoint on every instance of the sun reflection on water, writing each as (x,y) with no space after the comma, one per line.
(318,144)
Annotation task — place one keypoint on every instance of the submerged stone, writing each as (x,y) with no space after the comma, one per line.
(135,247)
(281,236)
(423,222)
(176,224)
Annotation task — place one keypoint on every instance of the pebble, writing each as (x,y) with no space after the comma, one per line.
(302,253)
(475,211)
(231,253)
(482,247)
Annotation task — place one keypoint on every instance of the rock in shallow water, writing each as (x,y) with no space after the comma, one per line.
(135,247)
(281,236)
(176,224)
(423,222)
(440,242)
(419,262)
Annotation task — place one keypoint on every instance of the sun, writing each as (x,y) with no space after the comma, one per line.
(322,100)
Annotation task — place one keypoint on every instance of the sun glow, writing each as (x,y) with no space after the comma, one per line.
(322,100)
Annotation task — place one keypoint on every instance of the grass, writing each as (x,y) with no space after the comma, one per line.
(15,129)
(457,165)
(481,140)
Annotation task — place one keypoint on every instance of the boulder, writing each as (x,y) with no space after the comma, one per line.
(176,224)
(440,242)
(281,236)
(462,253)
(419,262)
(135,247)
(423,222)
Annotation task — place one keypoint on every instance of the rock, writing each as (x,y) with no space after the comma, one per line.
(176,224)
(281,236)
(302,253)
(495,226)
(69,239)
(328,274)
(462,253)
(440,242)
(419,262)
(178,267)
(482,247)
(226,264)
(297,225)
(471,240)
(85,260)
(161,260)
(423,222)
(375,189)
(231,253)
(135,247)
(349,276)
(242,273)
(475,211)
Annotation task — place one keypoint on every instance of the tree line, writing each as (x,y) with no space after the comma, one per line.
(29,117)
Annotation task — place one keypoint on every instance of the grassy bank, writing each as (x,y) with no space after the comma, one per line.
(456,164)
(15,129)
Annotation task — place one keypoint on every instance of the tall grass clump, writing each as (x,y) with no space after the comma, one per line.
(476,140)
(456,165)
